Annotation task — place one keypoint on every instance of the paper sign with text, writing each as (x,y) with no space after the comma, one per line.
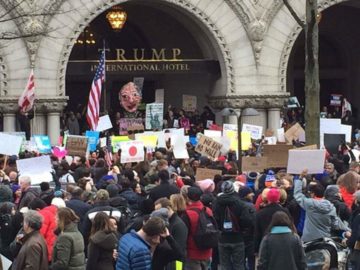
(130,124)
(255,131)
(93,138)
(42,143)
(76,145)
(312,160)
(203,173)
(132,151)
(154,116)
(208,147)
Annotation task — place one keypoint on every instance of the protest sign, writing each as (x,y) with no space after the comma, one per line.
(93,137)
(208,147)
(189,103)
(76,145)
(154,116)
(179,147)
(42,143)
(335,100)
(38,168)
(227,127)
(308,147)
(280,134)
(149,140)
(293,102)
(312,160)
(296,132)
(233,137)
(10,144)
(130,124)
(271,140)
(30,146)
(347,130)
(104,123)
(254,164)
(330,125)
(277,155)
(212,133)
(102,141)
(203,173)
(255,131)
(193,140)
(332,142)
(159,96)
(132,151)
(59,151)
(116,142)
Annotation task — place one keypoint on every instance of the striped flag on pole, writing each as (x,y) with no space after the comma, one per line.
(26,100)
(93,108)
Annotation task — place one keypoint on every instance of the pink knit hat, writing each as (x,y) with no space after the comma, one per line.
(207,185)
(273,196)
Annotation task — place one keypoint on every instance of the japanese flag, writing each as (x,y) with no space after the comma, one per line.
(132,151)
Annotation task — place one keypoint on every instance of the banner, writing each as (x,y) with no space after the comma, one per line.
(43,143)
(208,147)
(189,103)
(132,151)
(38,168)
(312,160)
(76,145)
(93,138)
(104,123)
(116,142)
(254,164)
(255,131)
(10,144)
(296,132)
(277,155)
(130,124)
(154,116)
(203,173)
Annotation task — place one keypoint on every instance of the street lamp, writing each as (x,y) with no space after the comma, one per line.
(239,113)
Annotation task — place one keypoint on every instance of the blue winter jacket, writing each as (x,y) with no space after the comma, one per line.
(134,253)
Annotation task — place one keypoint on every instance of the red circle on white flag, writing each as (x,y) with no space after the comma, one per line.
(132,151)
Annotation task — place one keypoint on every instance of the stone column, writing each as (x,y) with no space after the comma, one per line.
(8,107)
(38,124)
(53,126)
(9,122)
(274,118)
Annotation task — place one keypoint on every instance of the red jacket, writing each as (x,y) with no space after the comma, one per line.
(347,197)
(192,251)
(48,227)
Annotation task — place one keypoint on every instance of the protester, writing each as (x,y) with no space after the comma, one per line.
(28,193)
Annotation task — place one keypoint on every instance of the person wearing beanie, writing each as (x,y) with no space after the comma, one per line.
(196,258)
(246,194)
(6,194)
(264,216)
(77,204)
(47,193)
(233,217)
(206,186)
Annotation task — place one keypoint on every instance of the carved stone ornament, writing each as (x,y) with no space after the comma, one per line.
(193,10)
(249,101)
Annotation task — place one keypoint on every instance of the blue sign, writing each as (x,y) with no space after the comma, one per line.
(93,139)
(43,143)
(193,140)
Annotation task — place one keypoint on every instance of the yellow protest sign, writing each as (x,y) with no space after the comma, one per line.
(149,140)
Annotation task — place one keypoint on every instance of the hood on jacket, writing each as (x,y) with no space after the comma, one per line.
(332,193)
(107,241)
(224,199)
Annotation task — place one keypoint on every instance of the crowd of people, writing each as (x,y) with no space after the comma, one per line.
(155,214)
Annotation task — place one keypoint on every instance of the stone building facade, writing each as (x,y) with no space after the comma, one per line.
(251,39)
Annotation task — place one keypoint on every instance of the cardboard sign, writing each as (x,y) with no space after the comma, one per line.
(254,164)
(43,143)
(76,145)
(308,147)
(93,138)
(104,123)
(189,103)
(332,142)
(10,144)
(255,131)
(130,124)
(208,147)
(203,173)
(296,132)
(312,160)
(132,151)
(38,168)
(277,155)
(154,116)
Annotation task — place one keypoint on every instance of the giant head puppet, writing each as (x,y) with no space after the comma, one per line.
(130,97)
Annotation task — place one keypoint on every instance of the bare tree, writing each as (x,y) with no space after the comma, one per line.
(312,84)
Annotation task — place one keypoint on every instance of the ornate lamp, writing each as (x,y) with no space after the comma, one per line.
(117,18)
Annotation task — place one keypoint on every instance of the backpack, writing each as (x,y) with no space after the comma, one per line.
(206,233)
(6,226)
(230,223)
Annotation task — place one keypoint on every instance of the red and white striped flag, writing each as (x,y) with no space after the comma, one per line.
(26,100)
(93,108)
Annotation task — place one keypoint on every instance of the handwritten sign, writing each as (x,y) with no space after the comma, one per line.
(255,131)
(254,164)
(76,145)
(130,124)
(203,173)
(208,147)
(277,155)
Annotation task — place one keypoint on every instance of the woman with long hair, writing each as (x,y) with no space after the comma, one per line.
(69,247)
(102,243)
(281,248)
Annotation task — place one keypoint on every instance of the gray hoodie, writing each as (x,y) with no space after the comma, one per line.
(320,217)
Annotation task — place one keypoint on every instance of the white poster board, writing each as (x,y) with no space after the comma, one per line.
(132,151)
(255,131)
(312,160)
(38,168)
(10,144)
(347,130)
(179,149)
(280,134)
(213,133)
(104,123)
(227,127)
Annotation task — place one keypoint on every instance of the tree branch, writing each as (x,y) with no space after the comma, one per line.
(293,13)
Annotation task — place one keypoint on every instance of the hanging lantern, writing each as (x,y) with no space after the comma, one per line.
(117,18)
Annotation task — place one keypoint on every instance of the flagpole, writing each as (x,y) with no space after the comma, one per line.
(104,76)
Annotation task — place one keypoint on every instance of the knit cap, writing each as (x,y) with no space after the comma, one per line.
(207,185)
(227,187)
(273,196)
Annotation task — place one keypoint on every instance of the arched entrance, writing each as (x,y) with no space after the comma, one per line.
(338,56)
(173,53)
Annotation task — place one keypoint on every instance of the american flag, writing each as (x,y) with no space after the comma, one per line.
(93,108)
(26,100)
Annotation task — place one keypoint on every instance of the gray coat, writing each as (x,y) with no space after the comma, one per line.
(68,251)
